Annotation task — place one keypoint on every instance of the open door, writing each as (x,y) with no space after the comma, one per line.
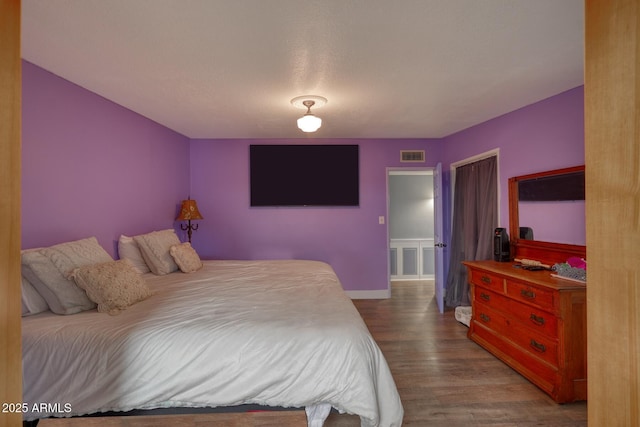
(439,244)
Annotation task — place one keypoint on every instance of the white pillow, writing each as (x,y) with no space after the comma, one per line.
(48,269)
(113,285)
(32,301)
(155,247)
(128,249)
(186,257)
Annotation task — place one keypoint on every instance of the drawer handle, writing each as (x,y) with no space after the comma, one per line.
(484,296)
(537,346)
(528,293)
(485,318)
(538,320)
(486,279)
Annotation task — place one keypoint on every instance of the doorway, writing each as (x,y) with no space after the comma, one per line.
(475,215)
(411,224)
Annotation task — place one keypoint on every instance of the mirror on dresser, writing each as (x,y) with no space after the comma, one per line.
(547,215)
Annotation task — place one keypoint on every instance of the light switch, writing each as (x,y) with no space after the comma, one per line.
(381,220)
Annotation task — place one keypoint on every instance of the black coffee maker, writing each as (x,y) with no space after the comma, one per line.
(501,250)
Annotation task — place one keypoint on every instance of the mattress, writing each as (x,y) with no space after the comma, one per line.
(274,333)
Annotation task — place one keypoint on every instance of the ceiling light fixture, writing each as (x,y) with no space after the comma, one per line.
(309,122)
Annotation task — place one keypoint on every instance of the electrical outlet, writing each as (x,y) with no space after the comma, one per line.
(381,220)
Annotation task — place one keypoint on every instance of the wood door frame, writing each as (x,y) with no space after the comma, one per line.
(10,229)
(612,178)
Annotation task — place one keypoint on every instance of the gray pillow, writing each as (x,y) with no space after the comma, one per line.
(48,270)
(128,249)
(155,248)
(32,301)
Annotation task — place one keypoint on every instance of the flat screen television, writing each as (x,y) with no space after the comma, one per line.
(304,175)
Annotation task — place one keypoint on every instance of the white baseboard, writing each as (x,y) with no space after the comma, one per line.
(379,294)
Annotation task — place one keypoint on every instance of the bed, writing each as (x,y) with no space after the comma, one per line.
(278,333)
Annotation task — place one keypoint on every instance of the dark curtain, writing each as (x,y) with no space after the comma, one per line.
(475,216)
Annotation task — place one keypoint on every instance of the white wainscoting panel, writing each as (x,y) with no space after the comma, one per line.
(411,259)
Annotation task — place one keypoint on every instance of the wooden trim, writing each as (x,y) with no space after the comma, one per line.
(10,173)
(545,252)
(549,173)
(513,211)
(612,156)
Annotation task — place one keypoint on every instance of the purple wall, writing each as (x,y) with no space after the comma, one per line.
(350,239)
(93,168)
(542,136)
(545,135)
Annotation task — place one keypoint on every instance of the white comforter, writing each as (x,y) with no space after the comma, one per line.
(276,333)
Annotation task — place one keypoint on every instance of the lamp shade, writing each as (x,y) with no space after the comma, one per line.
(309,123)
(189,211)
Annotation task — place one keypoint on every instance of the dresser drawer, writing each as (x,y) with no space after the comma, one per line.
(539,296)
(488,280)
(536,319)
(487,297)
(537,371)
(490,318)
(537,344)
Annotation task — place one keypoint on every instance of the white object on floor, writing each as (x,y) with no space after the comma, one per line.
(316,414)
(463,315)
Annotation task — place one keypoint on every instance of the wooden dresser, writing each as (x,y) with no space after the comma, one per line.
(534,323)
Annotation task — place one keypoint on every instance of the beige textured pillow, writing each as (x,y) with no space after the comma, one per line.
(155,247)
(114,285)
(186,257)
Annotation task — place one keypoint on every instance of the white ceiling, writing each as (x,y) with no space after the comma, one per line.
(389,69)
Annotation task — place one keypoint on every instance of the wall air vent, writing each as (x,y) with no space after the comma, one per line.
(412,156)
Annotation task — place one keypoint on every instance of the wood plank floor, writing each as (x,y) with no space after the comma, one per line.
(443,378)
